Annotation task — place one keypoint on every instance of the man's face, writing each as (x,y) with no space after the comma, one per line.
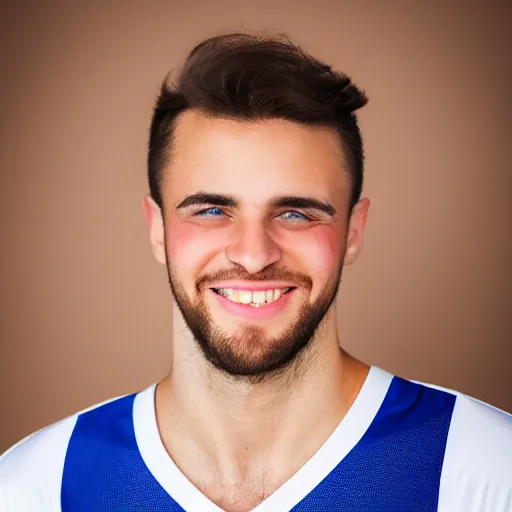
(256,223)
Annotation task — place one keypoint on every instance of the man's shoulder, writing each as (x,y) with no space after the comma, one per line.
(31,470)
(477,466)
(475,421)
(477,428)
(480,438)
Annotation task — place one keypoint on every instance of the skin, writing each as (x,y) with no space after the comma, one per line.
(239,436)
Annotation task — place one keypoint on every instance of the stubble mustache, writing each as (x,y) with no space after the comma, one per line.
(268,274)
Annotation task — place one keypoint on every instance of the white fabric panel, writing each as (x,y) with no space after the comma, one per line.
(477,470)
(31,471)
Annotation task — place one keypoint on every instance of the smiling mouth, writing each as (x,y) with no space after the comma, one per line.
(253,298)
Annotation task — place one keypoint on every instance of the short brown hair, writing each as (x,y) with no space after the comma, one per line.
(247,78)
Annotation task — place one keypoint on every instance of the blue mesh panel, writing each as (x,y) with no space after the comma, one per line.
(104,471)
(396,467)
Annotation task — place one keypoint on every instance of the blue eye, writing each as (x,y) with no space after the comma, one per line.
(294,216)
(210,212)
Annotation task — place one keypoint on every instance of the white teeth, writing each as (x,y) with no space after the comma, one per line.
(258,297)
(255,298)
(244,296)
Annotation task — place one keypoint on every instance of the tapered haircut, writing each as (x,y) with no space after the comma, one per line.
(251,78)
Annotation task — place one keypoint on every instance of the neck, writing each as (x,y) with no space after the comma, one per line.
(233,428)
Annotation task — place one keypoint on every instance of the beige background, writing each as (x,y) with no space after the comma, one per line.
(85,312)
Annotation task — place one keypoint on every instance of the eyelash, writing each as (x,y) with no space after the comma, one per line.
(204,213)
(207,213)
(303,217)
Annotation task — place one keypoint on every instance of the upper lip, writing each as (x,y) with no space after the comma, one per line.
(252,285)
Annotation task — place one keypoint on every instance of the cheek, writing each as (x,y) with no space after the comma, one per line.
(322,246)
(190,246)
(320,251)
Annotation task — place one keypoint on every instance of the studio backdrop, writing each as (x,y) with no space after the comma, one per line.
(86,311)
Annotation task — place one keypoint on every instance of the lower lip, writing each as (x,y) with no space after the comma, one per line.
(254,313)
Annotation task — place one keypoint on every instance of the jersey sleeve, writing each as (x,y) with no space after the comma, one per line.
(477,469)
(31,471)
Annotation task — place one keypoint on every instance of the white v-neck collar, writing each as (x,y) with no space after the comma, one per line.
(346,435)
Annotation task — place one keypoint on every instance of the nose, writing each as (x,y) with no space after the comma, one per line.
(252,247)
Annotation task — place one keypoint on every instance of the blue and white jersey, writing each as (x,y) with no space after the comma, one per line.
(402,447)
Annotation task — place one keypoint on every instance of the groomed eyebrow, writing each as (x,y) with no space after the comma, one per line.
(299,202)
(206,198)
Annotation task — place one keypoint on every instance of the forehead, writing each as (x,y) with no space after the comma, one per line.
(255,160)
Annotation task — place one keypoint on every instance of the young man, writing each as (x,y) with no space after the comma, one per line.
(255,172)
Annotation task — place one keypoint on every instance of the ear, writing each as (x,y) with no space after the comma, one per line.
(155,222)
(355,231)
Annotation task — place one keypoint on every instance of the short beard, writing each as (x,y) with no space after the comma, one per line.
(247,354)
